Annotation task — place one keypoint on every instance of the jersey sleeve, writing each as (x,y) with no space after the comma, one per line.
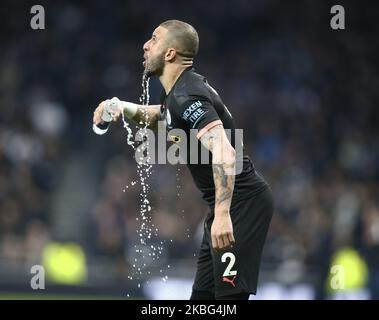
(198,113)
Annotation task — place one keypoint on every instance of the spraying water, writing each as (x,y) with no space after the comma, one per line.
(145,252)
(150,247)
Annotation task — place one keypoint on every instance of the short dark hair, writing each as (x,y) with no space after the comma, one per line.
(183,37)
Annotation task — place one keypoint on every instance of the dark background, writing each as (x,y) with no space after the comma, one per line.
(305,95)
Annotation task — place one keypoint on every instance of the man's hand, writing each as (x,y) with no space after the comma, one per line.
(115,112)
(222,232)
(131,111)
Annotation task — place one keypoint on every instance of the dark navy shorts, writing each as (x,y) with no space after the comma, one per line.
(236,270)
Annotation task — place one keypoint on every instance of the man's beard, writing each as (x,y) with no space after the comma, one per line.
(155,66)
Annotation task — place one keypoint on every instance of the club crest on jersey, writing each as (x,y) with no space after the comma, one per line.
(194,113)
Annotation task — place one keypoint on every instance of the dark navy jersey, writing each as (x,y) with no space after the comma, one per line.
(195,107)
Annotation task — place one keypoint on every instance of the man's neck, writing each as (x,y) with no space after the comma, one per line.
(170,75)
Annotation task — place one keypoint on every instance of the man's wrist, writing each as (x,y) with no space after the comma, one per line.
(222,211)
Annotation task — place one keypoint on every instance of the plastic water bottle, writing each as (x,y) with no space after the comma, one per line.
(110,107)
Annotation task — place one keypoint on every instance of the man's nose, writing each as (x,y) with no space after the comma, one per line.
(146,45)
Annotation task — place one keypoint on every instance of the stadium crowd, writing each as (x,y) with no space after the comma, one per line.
(304,95)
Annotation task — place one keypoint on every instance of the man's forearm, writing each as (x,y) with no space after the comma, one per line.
(224,183)
(141,114)
(223,165)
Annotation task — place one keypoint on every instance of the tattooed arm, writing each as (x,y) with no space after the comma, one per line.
(223,164)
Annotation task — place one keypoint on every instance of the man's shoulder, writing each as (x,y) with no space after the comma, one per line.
(189,87)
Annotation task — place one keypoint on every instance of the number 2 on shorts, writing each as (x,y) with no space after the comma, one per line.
(232,259)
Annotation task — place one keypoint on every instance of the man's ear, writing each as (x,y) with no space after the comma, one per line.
(170,54)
